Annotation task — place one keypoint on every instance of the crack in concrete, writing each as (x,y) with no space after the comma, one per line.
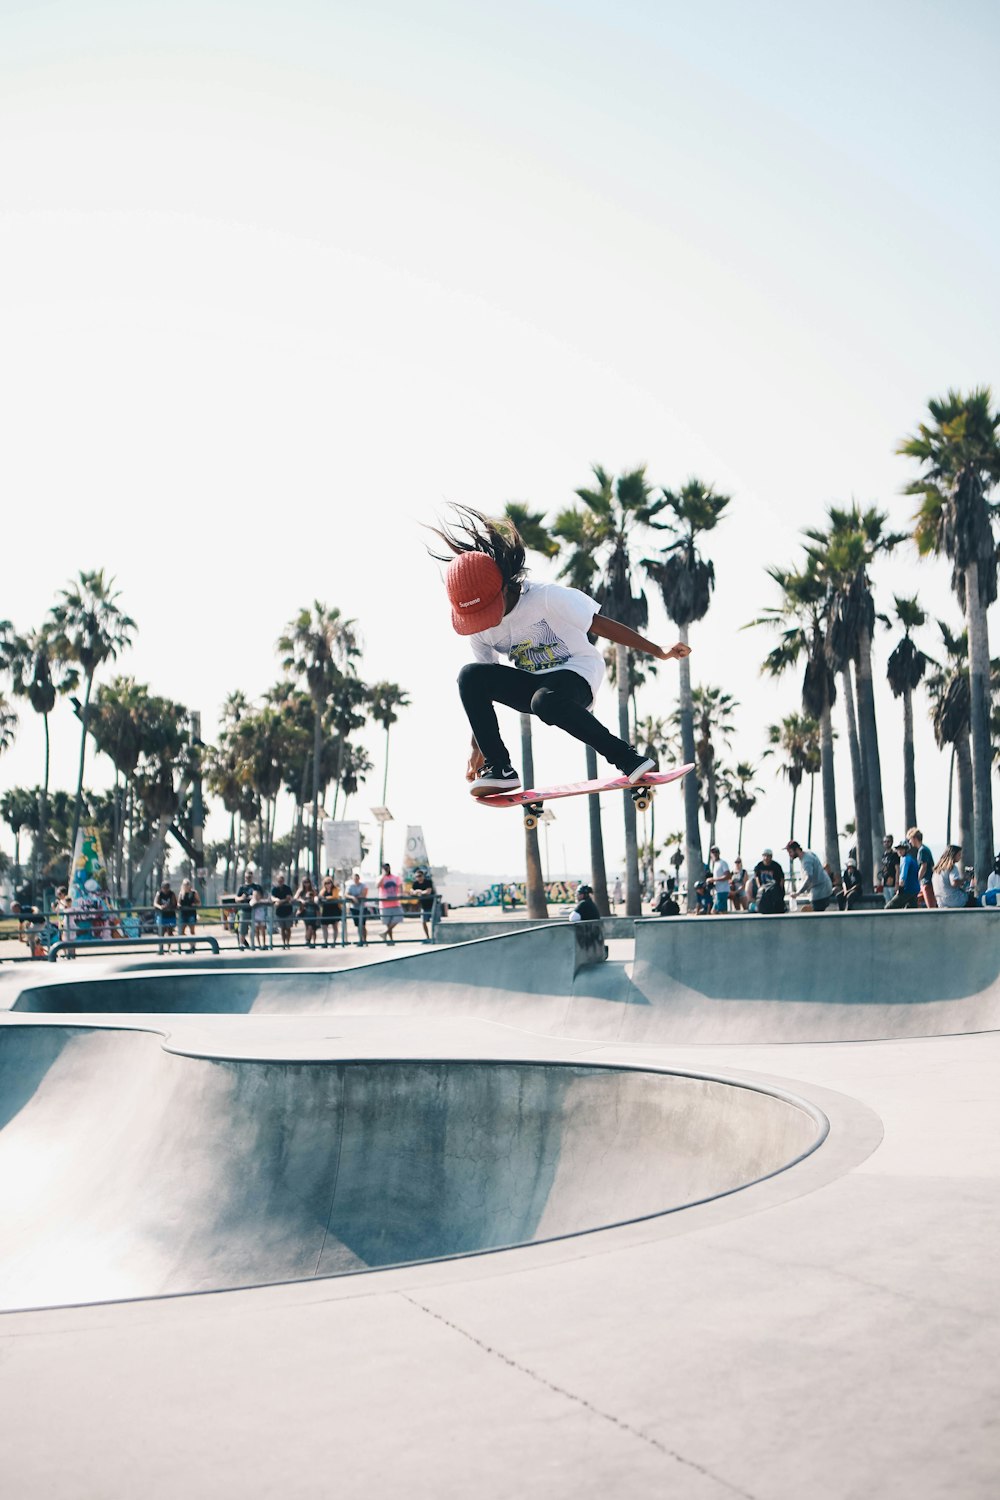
(559,1390)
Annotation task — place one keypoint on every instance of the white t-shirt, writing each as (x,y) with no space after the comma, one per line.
(721,877)
(546,631)
(948,888)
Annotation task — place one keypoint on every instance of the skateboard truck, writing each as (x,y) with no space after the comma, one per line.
(532,813)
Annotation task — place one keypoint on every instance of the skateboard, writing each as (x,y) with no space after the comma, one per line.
(533,800)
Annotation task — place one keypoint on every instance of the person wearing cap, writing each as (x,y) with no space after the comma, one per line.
(908,892)
(816,890)
(422,887)
(543,631)
(766,873)
(585,909)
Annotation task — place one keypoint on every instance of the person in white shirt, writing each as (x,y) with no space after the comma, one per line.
(948,879)
(720,880)
(543,630)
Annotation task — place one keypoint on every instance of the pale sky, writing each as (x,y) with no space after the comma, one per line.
(280,281)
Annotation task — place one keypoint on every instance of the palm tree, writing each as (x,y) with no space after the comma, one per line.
(581,531)
(320,647)
(844,553)
(905,669)
(713,720)
(801,617)
(18,807)
(37,675)
(619,508)
(8,724)
(740,794)
(536,537)
(950,695)
(797,737)
(384,699)
(88,629)
(686,582)
(959,454)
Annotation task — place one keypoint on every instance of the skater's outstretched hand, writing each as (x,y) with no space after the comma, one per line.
(476,759)
(673,653)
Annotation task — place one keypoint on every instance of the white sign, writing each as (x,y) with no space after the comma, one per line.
(341,845)
(416,849)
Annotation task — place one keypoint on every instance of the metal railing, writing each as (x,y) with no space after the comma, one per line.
(88,945)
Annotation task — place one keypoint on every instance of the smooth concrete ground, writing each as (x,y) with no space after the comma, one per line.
(830,1331)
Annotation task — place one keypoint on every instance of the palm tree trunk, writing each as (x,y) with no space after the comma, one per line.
(830,836)
(909,765)
(317,752)
(598,872)
(795,793)
(951,794)
(812,793)
(385,788)
(692,833)
(862,810)
(43,810)
(633,899)
(870,759)
(78,805)
(979,724)
(534,881)
(966,797)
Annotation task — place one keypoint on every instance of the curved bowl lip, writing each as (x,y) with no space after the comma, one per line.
(820,1119)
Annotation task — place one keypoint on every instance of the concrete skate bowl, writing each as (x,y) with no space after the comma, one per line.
(130,1171)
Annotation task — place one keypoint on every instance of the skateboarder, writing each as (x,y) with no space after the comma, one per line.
(543,629)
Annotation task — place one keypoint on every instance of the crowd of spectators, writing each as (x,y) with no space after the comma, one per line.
(907,879)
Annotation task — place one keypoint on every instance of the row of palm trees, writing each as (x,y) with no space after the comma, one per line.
(300,737)
(826,620)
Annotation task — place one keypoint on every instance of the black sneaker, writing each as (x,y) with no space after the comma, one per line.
(636,766)
(490,779)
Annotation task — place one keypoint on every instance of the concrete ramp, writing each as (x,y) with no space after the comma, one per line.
(533,973)
(867,976)
(130,1171)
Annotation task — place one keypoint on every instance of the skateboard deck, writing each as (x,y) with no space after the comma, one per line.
(533,798)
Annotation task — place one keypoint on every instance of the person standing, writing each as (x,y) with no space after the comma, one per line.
(889,869)
(925,866)
(284,908)
(720,880)
(422,887)
(307,902)
(259,908)
(244,896)
(188,903)
(330,909)
(908,891)
(357,895)
(816,887)
(165,906)
(390,891)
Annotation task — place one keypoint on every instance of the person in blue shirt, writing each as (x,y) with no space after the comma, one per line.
(906,897)
(925,866)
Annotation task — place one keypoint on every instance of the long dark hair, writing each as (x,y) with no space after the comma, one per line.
(471,531)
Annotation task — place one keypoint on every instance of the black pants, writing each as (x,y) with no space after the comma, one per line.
(559,698)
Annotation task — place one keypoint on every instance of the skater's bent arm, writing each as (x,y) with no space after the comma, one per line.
(614,630)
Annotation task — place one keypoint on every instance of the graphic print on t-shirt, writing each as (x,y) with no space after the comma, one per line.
(543,653)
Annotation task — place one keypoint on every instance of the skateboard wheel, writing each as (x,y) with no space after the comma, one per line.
(530,821)
(641,803)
